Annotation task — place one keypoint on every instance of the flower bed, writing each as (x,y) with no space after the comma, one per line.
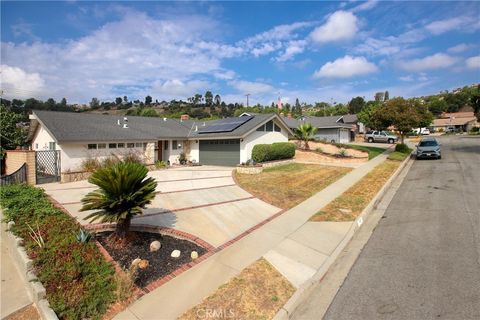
(79,282)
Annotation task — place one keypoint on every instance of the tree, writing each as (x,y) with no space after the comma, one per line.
(124,191)
(11,136)
(147,112)
(217,100)
(118,101)
(125,99)
(208,98)
(63,102)
(475,101)
(50,104)
(437,105)
(94,104)
(379,96)
(148,100)
(305,132)
(403,114)
(356,105)
(386,96)
(366,115)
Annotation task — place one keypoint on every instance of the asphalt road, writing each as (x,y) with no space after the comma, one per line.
(423,259)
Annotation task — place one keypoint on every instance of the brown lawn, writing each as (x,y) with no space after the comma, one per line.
(258,292)
(288,185)
(351,203)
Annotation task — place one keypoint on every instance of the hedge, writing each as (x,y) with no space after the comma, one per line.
(79,282)
(274,151)
(402,148)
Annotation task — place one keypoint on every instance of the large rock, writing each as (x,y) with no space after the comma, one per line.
(155,246)
(194,255)
(175,254)
(136,261)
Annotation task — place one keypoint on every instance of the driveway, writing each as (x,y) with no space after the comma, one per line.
(203,201)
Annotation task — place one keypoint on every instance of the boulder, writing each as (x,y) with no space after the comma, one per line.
(135,262)
(155,246)
(143,264)
(175,254)
(194,255)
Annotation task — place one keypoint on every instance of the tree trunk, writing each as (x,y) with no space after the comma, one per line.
(402,137)
(307,147)
(122,227)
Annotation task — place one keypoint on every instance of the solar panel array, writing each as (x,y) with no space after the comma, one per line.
(225,125)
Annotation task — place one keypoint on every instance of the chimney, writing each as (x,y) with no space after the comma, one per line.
(184,117)
(289,115)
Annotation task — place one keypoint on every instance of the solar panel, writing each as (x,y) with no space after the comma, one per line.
(224,125)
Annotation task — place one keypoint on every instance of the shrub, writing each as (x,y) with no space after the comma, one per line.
(132,157)
(90,165)
(275,151)
(159,164)
(475,129)
(402,148)
(343,153)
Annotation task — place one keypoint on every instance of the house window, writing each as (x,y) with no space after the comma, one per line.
(277,128)
(174,144)
(92,146)
(165,145)
(112,146)
(101,146)
(261,128)
(51,145)
(36,145)
(269,126)
(121,145)
(138,145)
(130,145)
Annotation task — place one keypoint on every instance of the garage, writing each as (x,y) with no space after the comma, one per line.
(220,152)
(344,136)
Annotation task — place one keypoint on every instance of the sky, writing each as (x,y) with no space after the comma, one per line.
(313,51)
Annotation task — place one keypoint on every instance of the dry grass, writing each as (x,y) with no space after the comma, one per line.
(288,185)
(258,292)
(26,313)
(350,204)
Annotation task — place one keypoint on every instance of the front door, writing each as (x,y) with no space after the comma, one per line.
(159,151)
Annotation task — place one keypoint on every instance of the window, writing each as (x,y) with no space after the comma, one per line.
(277,128)
(92,146)
(138,145)
(36,145)
(130,145)
(261,128)
(165,145)
(112,146)
(101,146)
(51,145)
(121,145)
(269,126)
(174,144)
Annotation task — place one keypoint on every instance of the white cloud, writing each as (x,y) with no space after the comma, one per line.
(473,62)
(293,48)
(406,78)
(442,26)
(367,5)
(436,61)
(251,87)
(178,88)
(15,82)
(459,48)
(341,25)
(346,67)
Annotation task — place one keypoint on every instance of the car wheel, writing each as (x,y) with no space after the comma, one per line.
(390,141)
(439,157)
(370,140)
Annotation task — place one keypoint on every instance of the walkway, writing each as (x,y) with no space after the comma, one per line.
(295,247)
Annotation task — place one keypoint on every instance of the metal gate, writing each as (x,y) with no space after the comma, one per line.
(19,176)
(47,164)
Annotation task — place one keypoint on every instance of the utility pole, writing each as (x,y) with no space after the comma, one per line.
(247,95)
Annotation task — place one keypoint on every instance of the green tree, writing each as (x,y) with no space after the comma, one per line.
(94,104)
(217,100)
(366,115)
(356,105)
(11,135)
(475,101)
(118,101)
(124,191)
(63,102)
(148,100)
(305,132)
(147,112)
(437,105)
(125,99)
(208,98)
(386,96)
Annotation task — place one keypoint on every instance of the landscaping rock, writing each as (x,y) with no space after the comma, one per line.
(10,224)
(136,262)
(194,255)
(155,246)
(345,210)
(175,254)
(143,264)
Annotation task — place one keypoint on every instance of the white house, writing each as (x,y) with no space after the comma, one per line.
(80,136)
(331,129)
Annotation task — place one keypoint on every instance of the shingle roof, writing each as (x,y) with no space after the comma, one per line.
(318,122)
(350,118)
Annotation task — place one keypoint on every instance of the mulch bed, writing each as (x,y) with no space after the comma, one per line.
(160,262)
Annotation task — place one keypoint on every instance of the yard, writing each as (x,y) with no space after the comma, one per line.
(288,185)
(372,151)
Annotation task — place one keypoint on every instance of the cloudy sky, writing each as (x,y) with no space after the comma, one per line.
(316,51)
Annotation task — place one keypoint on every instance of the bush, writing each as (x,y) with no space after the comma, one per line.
(159,164)
(78,280)
(275,151)
(475,129)
(402,148)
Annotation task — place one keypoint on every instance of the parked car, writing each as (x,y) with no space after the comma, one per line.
(422,131)
(380,136)
(428,148)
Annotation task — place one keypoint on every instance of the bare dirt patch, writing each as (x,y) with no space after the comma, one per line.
(331,149)
(258,292)
(27,313)
(288,185)
(351,203)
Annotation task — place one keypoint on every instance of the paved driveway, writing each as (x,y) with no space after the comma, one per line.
(203,201)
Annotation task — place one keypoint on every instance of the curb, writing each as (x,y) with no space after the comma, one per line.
(298,296)
(25,265)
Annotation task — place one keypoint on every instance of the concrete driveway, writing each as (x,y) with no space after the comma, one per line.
(203,201)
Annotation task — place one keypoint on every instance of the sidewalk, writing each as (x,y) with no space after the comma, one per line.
(296,247)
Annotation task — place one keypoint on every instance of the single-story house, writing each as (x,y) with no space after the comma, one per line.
(332,129)
(224,142)
(459,121)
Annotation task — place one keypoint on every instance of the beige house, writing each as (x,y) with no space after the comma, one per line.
(458,121)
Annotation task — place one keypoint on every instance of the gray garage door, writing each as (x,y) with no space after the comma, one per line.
(220,152)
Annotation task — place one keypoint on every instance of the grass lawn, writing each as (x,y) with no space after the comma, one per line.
(398,156)
(372,151)
(350,204)
(258,292)
(288,185)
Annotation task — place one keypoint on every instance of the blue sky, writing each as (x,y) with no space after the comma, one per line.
(314,51)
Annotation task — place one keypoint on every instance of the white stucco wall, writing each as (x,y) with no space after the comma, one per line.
(173,154)
(42,140)
(260,137)
(194,154)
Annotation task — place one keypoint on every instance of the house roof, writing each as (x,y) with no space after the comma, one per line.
(350,118)
(447,115)
(453,121)
(87,127)
(318,122)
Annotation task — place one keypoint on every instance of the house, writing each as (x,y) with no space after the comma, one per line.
(459,121)
(332,129)
(224,142)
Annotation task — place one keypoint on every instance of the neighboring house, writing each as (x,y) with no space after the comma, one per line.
(80,136)
(460,121)
(332,129)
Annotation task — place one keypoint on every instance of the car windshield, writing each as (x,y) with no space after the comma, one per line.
(428,143)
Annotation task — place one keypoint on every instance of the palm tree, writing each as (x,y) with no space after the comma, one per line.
(305,132)
(124,192)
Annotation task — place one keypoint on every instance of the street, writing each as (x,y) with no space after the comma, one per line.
(423,259)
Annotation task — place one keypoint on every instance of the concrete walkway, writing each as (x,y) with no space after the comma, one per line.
(296,247)
(13,294)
